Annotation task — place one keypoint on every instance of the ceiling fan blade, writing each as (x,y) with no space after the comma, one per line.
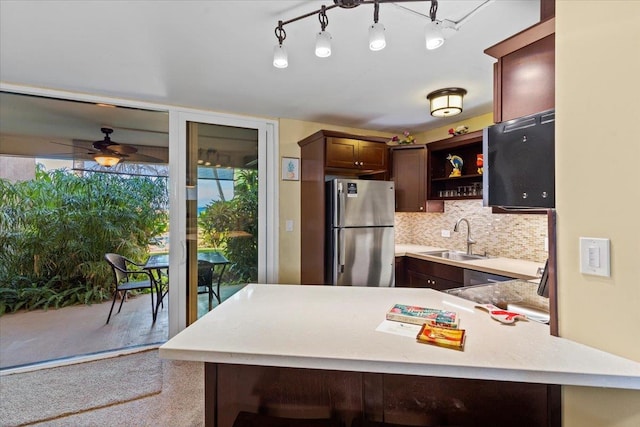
(143,158)
(66,145)
(121,149)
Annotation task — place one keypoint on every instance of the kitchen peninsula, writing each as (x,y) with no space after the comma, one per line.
(317,352)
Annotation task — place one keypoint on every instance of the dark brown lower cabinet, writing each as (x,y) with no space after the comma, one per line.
(418,273)
(245,395)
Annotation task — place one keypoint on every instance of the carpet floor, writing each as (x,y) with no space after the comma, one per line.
(138,389)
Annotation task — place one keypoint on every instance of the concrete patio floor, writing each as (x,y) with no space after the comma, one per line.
(29,337)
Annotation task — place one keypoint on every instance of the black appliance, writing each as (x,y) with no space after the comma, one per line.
(543,287)
(519,162)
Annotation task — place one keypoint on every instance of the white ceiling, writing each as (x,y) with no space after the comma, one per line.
(217,55)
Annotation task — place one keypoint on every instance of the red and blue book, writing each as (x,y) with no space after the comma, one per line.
(421,315)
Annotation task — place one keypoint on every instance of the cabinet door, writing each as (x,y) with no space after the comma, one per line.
(528,79)
(372,155)
(400,272)
(409,176)
(342,153)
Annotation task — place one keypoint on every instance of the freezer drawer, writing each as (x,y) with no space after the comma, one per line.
(363,256)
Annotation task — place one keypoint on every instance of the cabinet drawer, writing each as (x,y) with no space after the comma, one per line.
(419,280)
(435,269)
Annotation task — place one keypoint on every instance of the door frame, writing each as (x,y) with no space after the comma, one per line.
(267,202)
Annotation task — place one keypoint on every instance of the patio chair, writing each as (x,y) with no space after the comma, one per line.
(205,280)
(124,276)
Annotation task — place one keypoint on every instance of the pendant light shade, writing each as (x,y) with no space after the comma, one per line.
(106,160)
(280,57)
(323,44)
(433,35)
(446,102)
(376,37)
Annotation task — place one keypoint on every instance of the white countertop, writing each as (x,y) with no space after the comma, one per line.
(334,327)
(516,268)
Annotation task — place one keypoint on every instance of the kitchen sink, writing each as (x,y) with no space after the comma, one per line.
(454,255)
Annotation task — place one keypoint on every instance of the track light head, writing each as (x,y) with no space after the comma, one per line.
(323,44)
(433,35)
(280,57)
(377,40)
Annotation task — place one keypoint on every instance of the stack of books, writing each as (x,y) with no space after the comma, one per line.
(439,327)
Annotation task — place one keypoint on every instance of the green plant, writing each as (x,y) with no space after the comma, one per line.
(232,226)
(55,230)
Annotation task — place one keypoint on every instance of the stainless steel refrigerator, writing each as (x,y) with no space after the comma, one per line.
(360,236)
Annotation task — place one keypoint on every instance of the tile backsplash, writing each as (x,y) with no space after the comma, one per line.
(504,235)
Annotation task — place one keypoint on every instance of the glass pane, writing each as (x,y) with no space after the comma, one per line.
(62,212)
(222,213)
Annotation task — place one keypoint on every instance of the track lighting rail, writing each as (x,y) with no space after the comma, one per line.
(434,38)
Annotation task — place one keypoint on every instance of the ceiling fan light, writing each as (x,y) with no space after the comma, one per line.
(106,160)
(280,57)
(323,44)
(433,35)
(377,40)
(446,102)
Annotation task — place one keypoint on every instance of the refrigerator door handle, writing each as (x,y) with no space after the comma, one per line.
(341,251)
(341,202)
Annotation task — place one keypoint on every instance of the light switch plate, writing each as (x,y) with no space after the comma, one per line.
(595,256)
(288,225)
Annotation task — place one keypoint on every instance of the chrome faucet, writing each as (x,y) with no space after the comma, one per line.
(470,241)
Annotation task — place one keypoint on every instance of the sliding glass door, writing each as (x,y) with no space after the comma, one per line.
(224,214)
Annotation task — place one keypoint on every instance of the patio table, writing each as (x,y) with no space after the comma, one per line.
(157,263)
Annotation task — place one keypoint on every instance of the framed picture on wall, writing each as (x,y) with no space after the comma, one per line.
(290,169)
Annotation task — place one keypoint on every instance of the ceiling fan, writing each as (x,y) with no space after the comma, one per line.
(109,153)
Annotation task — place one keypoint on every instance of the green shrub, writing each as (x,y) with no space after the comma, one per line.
(55,230)
(232,226)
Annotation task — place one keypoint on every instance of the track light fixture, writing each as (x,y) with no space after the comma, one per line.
(377,41)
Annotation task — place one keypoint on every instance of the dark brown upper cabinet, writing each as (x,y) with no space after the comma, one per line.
(409,173)
(524,75)
(356,154)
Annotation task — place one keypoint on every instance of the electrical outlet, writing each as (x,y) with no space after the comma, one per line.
(288,225)
(546,244)
(445,233)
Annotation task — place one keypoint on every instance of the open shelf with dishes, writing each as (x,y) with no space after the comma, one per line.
(463,151)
